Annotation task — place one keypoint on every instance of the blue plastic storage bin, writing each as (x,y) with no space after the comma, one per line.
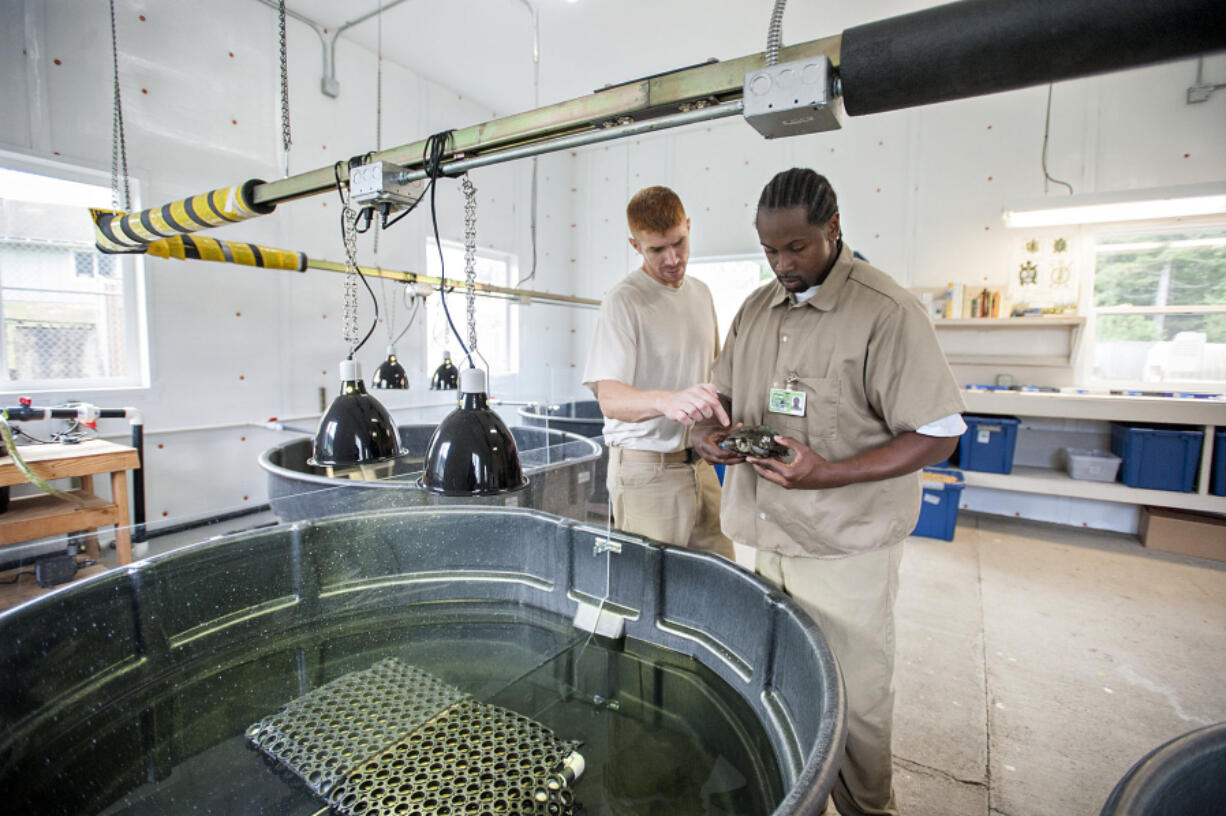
(1157,457)
(1217,485)
(988,443)
(939,509)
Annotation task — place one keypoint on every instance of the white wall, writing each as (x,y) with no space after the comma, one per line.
(921,194)
(229,345)
(920,191)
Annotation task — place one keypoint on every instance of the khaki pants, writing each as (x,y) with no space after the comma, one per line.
(852,601)
(676,503)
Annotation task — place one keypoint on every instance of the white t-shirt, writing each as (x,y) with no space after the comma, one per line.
(651,336)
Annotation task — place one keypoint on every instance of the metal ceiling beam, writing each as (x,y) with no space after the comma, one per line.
(684,91)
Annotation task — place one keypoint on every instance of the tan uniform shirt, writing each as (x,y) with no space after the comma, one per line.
(653,336)
(865,354)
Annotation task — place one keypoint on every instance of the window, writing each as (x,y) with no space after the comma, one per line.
(730,280)
(1160,307)
(497,319)
(70,317)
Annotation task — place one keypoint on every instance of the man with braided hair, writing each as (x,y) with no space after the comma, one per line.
(649,363)
(844,365)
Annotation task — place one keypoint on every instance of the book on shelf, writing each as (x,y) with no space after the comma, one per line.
(962,301)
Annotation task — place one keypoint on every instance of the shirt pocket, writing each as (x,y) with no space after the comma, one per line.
(821,419)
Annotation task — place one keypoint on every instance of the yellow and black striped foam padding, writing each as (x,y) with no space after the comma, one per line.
(203,248)
(116,232)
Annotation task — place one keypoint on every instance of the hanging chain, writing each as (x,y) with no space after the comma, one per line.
(286,141)
(349,221)
(470,259)
(119,147)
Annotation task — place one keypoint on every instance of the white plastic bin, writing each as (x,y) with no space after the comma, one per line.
(1091,465)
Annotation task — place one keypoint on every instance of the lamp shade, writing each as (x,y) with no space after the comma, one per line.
(446,376)
(356,429)
(390,373)
(472,453)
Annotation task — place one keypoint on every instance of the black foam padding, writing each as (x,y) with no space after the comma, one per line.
(979,47)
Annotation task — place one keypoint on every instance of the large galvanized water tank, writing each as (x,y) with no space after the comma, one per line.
(560,466)
(130,692)
(581,417)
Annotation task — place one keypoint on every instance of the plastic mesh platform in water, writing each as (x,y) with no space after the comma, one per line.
(395,740)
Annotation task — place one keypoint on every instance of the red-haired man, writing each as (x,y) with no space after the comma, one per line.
(655,341)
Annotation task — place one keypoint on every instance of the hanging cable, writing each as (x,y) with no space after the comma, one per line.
(354,272)
(774,34)
(390,310)
(379,109)
(286,141)
(536,103)
(414,309)
(532,227)
(1046,129)
(119,147)
(432,161)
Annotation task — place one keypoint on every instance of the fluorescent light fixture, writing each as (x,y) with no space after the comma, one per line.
(1127,205)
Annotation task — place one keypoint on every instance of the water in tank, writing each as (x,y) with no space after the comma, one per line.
(135,692)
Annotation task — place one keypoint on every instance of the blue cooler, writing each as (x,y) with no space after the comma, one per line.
(988,443)
(1157,457)
(939,508)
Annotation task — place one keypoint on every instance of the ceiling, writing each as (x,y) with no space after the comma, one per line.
(483,48)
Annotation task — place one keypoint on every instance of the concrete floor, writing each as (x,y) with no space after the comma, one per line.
(1037,663)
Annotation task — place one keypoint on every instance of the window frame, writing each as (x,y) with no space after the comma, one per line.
(130,269)
(1094,235)
(513,338)
(756,258)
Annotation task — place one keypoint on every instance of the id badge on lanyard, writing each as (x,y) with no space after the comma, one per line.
(788,401)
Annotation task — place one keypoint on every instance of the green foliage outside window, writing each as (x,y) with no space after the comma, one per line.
(1164,270)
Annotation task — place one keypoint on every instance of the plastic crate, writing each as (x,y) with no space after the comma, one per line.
(939,508)
(988,443)
(1157,457)
(1217,484)
(1091,465)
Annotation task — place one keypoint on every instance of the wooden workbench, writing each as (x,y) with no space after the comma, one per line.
(44,515)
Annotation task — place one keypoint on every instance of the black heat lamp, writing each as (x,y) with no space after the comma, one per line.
(356,430)
(446,377)
(472,453)
(390,373)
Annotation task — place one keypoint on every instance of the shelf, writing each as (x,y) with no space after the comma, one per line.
(994,323)
(1007,359)
(43,516)
(1051,342)
(1057,483)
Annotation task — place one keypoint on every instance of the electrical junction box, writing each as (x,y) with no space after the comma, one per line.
(382,182)
(792,98)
